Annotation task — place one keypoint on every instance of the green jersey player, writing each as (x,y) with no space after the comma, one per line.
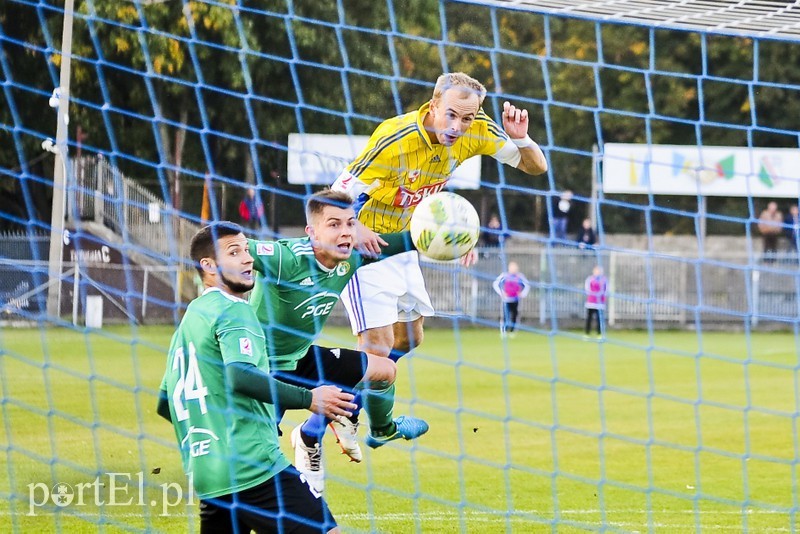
(301,280)
(220,398)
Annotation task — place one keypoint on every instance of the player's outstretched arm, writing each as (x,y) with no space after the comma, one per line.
(515,123)
(393,243)
(249,380)
(368,242)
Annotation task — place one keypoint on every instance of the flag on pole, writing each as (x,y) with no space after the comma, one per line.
(205,210)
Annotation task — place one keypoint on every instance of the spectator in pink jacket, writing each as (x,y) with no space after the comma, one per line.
(596,287)
(511,286)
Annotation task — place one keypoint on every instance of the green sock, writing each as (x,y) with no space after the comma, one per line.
(379,405)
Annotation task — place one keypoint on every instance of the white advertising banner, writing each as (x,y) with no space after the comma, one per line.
(319,158)
(706,170)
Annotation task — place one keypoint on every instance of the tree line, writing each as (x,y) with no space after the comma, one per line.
(175,90)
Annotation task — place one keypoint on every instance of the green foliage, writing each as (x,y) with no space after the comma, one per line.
(20,152)
(341,67)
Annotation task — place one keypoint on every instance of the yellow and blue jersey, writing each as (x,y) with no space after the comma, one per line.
(401,166)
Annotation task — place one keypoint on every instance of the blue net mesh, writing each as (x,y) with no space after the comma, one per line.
(680,416)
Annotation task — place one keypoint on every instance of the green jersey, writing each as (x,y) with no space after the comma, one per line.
(228,442)
(295,294)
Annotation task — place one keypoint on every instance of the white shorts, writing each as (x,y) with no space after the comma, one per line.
(386,292)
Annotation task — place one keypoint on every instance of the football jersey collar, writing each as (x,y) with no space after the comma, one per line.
(423,110)
(322,267)
(224,294)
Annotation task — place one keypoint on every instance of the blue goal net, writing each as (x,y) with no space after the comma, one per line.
(671,133)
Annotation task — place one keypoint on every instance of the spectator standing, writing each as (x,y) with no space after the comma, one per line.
(561,210)
(251,210)
(596,288)
(770,225)
(792,227)
(493,235)
(512,286)
(586,237)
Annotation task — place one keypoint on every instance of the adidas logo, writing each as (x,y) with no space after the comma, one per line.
(307,281)
(435,159)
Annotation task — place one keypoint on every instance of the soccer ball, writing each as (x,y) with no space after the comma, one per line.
(445,226)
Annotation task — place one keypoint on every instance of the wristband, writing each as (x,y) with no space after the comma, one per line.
(525,142)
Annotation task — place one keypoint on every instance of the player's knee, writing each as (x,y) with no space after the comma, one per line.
(419,336)
(376,342)
(382,351)
(401,346)
(381,372)
(388,371)
(408,343)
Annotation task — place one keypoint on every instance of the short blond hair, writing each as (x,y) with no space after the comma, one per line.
(461,80)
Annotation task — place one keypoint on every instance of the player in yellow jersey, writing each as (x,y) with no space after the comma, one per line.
(408,158)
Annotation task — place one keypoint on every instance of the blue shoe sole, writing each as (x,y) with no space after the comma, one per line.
(373,442)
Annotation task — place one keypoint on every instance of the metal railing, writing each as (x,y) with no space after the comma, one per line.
(670,291)
(102,194)
(131,293)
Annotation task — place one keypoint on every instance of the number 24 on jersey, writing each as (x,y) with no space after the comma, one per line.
(189,385)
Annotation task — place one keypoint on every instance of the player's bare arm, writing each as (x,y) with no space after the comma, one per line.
(399,242)
(515,123)
(368,242)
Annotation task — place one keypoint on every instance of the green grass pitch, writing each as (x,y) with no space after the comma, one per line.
(669,432)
